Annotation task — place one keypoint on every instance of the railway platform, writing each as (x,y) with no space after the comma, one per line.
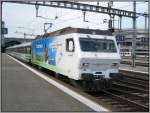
(22,90)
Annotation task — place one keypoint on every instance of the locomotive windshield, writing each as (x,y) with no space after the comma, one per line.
(97,45)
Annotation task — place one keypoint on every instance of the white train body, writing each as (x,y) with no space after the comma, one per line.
(88,56)
(79,62)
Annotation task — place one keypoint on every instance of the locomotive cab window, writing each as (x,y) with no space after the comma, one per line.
(97,45)
(69,45)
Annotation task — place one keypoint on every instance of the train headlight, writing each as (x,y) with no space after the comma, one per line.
(115,65)
(85,64)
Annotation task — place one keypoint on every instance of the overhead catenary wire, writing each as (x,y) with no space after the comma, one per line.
(60,21)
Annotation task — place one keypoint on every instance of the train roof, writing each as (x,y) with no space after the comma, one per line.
(20,45)
(76,30)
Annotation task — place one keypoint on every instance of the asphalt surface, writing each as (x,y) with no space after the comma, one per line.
(22,90)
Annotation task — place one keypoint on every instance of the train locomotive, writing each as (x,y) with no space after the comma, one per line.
(88,57)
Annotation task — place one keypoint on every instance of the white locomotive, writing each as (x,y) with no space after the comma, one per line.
(89,57)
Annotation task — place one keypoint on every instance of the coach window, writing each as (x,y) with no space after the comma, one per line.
(70,45)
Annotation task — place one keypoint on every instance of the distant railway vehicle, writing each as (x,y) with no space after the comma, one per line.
(140,53)
(21,51)
(86,57)
(125,52)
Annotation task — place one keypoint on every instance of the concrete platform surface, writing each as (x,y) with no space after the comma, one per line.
(22,90)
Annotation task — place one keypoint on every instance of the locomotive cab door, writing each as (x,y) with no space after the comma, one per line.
(70,48)
(70,58)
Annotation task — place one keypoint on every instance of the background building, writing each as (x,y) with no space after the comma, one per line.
(125,36)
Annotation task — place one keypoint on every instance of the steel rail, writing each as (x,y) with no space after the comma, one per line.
(129,102)
(137,63)
(138,85)
(136,80)
(135,74)
(139,97)
(130,87)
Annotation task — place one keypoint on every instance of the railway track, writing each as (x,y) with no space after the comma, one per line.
(129,93)
(127,101)
(135,75)
(119,102)
(138,63)
(141,62)
(134,82)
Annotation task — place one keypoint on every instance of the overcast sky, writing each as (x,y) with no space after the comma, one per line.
(19,15)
